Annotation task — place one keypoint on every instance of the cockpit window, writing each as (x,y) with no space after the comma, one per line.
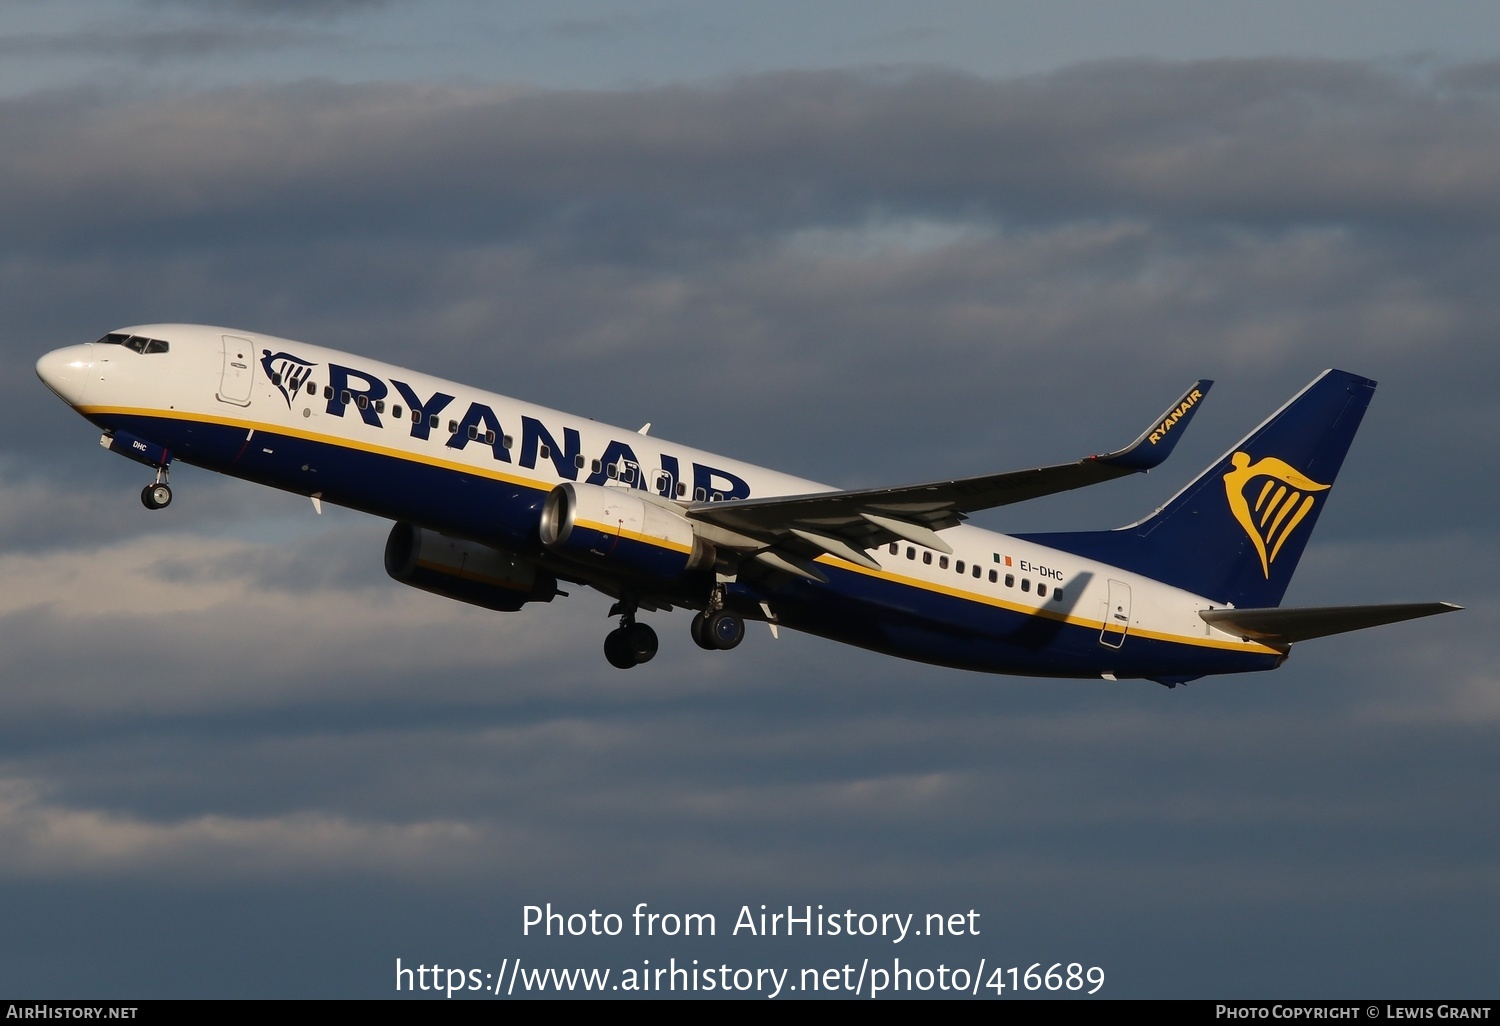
(136,342)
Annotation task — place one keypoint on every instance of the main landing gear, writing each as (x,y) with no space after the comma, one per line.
(717,629)
(630,643)
(158,494)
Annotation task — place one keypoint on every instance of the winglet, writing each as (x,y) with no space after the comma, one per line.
(1156,443)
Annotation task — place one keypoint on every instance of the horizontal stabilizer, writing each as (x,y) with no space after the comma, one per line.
(1287,626)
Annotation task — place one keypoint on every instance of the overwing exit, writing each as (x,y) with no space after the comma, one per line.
(497,501)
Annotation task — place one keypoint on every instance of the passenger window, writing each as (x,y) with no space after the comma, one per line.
(489,438)
(994,576)
(911,553)
(327,391)
(453,427)
(1026,584)
(344,397)
(698,493)
(942,562)
(396,412)
(364,402)
(509,442)
(895,549)
(543,451)
(432,421)
(613,472)
(312,388)
(276,378)
(380,406)
(629,476)
(1041,590)
(681,486)
(977,571)
(1010,580)
(927,558)
(578,462)
(1056,594)
(959,567)
(597,466)
(473,432)
(717,497)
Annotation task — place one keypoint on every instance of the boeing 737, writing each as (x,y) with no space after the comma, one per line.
(496,502)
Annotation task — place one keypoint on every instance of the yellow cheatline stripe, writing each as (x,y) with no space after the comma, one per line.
(1076,621)
(469,575)
(616,531)
(493,474)
(335,440)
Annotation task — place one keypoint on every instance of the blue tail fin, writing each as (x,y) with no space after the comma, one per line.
(1236,533)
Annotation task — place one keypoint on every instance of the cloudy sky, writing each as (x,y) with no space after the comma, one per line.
(862,242)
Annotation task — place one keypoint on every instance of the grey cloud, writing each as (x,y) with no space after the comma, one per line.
(290,8)
(1261,144)
(154,45)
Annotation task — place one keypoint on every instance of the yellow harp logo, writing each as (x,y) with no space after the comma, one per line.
(1279,503)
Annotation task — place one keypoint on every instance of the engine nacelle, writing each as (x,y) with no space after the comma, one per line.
(464,570)
(616,528)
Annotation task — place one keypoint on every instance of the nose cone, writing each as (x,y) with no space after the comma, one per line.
(66,372)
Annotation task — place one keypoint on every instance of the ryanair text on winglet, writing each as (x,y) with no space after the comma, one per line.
(1166,425)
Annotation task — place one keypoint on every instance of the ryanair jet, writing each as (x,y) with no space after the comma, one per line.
(496,502)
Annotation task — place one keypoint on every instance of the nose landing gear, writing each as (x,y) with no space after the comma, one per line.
(158,494)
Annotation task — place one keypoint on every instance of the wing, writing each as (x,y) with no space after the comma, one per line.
(789,532)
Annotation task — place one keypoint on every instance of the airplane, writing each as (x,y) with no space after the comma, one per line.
(497,502)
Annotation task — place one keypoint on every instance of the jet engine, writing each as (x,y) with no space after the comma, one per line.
(464,570)
(617,528)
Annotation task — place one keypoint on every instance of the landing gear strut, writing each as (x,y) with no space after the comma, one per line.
(630,643)
(158,494)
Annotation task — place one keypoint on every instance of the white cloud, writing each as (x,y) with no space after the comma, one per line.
(42,839)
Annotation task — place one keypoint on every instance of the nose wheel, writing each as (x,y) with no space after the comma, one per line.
(157,494)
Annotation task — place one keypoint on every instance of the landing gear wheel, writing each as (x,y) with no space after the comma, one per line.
(156,496)
(723,629)
(699,629)
(618,650)
(640,641)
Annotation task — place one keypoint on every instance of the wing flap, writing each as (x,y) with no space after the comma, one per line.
(1288,626)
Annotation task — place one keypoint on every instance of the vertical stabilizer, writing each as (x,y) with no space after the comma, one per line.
(1235,533)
